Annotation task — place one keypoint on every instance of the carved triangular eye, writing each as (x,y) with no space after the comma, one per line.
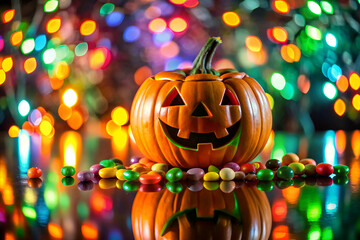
(173,99)
(229,98)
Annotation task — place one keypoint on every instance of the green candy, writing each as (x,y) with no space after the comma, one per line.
(68,171)
(265,174)
(130,186)
(120,167)
(265,186)
(174,175)
(107,163)
(174,187)
(299,182)
(131,175)
(282,184)
(212,168)
(211,186)
(285,173)
(117,161)
(341,179)
(67,181)
(341,170)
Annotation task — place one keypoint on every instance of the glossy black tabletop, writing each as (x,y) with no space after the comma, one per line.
(54,208)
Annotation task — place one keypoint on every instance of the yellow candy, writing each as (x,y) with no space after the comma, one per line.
(119,174)
(162,173)
(107,172)
(141,169)
(132,166)
(119,184)
(107,183)
(211,186)
(211,177)
(160,166)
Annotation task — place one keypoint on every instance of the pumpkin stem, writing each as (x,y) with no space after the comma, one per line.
(202,63)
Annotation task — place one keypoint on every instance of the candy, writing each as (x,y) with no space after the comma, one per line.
(109,172)
(265,186)
(95,168)
(341,170)
(141,169)
(297,167)
(250,177)
(136,165)
(130,175)
(161,173)
(34,182)
(212,168)
(195,174)
(265,175)
(211,186)
(289,158)
(96,179)
(341,179)
(258,166)
(120,167)
(273,164)
(211,177)
(150,178)
(299,182)
(232,165)
(324,169)
(130,186)
(85,176)
(247,168)
(107,183)
(239,175)
(195,186)
(174,174)
(34,172)
(85,185)
(282,184)
(150,188)
(285,173)
(174,187)
(107,163)
(310,170)
(68,171)
(307,161)
(67,181)
(227,174)
(117,161)
(119,184)
(160,167)
(119,174)
(227,186)
(134,160)
(324,181)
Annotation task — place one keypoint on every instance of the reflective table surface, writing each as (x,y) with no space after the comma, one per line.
(57,208)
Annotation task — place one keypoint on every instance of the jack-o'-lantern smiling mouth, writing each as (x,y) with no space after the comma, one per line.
(196,139)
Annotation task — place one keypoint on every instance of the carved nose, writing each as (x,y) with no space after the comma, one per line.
(201,111)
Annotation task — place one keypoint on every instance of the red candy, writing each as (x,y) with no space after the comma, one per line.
(324,169)
(150,188)
(258,166)
(248,168)
(34,172)
(150,178)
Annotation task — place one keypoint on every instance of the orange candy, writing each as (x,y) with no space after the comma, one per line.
(289,158)
(307,161)
(34,172)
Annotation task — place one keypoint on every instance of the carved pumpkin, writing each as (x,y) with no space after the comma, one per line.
(242,214)
(201,117)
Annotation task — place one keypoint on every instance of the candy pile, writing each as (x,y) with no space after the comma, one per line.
(148,176)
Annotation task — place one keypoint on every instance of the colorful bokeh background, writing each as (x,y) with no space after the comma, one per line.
(71,64)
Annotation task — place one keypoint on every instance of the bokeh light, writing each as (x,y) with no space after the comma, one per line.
(30,65)
(76,120)
(313,32)
(356,102)
(88,27)
(53,25)
(327,7)
(231,19)
(114,19)
(40,42)
(45,128)
(106,9)
(70,97)
(329,91)
(99,58)
(342,83)
(131,34)
(253,43)
(8,15)
(14,131)
(281,6)
(314,7)
(16,38)
(354,81)
(51,6)
(64,112)
(339,107)
(278,81)
(157,25)
(28,46)
(331,40)
(2,76)
(120,115)
(178,24)
(49,56)
(81,49)
(24,108)
(177,2)
(7,64)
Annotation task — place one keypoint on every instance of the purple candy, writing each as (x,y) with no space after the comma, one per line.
(195,186)
(195,174)
(134,160)
(85,176)
(85,185)
(233,166)
(95,168)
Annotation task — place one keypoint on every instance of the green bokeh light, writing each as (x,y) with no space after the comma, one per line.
(81,49)
(331,40)
(278,81)
(329,90)
(51,5)
(49,56)
(28,46)
(287,92)
(29,212)
(327,7)
(106,9)
(313,32)
(314,7)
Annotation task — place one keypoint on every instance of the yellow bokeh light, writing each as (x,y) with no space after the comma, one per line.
(62,70)
(30,65)
(55,231)
(45,128)
(354,80)
(356,102)
(120,115)
(8,15)
(253,43)
(178,2)
(231,19)
(271,100)
(157,25)
(339,107)
(14,131)
(280,34)
(70,97)
(281,6)
(53,25)
(2,76)
(178,24)
(16,38)
(111,127)
(7,64)
(88,27)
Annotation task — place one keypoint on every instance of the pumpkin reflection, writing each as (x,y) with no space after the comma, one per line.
(243,214)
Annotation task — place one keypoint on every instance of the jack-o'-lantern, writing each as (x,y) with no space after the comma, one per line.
(201,117)
(243,214)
